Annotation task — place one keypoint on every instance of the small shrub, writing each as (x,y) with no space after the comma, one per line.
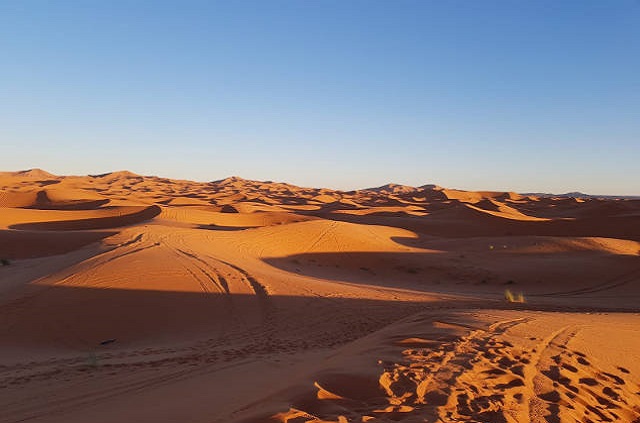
(513,298)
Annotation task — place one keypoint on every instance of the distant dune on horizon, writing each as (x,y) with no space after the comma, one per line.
(386,188)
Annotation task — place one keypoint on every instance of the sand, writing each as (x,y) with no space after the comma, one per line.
(137,298)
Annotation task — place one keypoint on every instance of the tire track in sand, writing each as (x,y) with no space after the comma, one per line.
(218,281)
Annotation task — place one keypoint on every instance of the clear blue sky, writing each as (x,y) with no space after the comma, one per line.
(517,95)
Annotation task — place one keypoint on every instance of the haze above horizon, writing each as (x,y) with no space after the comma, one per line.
(526,97)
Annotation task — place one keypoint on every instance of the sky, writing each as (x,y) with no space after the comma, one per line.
(526,96)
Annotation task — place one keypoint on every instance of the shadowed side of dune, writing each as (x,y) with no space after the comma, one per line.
(452,225)
(106,222)
(79,318)
(588,277)
(30,244)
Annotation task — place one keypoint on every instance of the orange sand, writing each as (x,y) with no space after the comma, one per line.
(131,298)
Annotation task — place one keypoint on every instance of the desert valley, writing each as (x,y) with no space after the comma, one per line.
(127,298)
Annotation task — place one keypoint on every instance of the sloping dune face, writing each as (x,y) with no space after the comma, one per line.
(138,298)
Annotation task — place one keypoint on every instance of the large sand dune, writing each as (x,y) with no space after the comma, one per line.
(132,298)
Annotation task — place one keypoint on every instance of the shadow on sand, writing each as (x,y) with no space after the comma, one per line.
(480,224)
(93,223)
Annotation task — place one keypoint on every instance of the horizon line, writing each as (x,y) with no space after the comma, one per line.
(573,194)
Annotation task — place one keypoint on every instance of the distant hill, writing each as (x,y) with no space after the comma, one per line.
(582,195)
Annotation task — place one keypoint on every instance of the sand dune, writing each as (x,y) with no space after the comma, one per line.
(139,298)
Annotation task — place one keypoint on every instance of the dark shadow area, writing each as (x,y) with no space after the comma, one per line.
(570,208)
(587,274)
(292,201)
(171,202)
(228,208)
(93,223)
(446,224)
(48,182)
(82,318)
(71,205)
(383,213)
(203,196)
(30,244)
(214,227)
(511,245)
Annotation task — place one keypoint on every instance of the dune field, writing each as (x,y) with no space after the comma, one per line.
(127,298)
